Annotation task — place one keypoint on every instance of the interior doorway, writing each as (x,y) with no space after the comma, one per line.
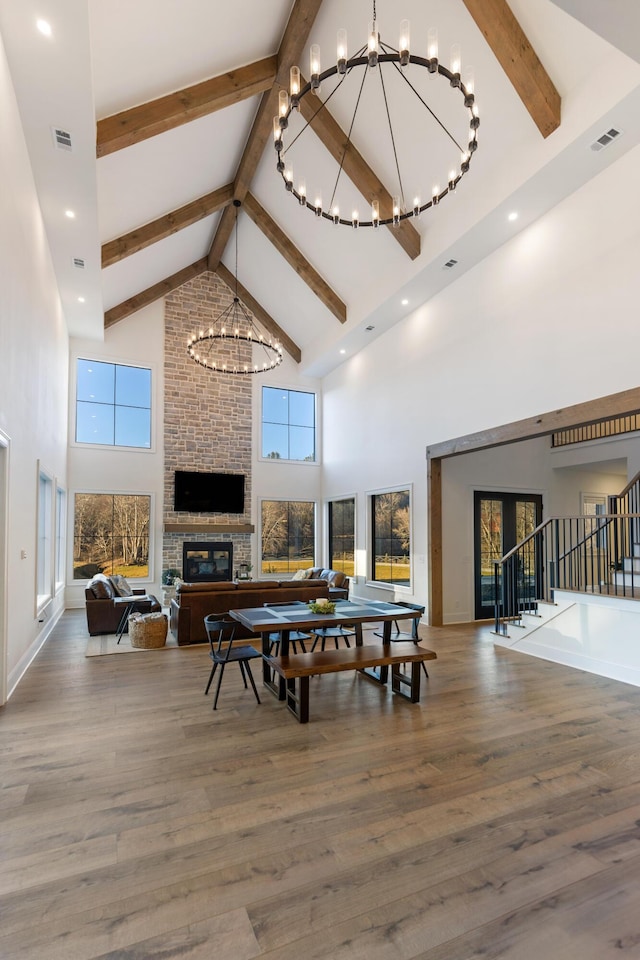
(501,520)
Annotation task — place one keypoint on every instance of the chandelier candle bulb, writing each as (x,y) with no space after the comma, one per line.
(294,87)
(456,61)
(372,44)
(375,212)
(342,51)
(416,206)
(354,220)
(396,211)
(314,61)
(467,83)
(283,109)
(277,134)
(288,177)
(432,49)
(318,207)
(404,43)
(452,181)
(302,194)
(435,198)
(336,215)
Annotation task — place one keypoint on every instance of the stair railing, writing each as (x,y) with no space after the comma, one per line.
(586,554)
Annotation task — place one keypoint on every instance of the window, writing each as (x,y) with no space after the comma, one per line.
(111,535)
(61,513)
(288,424)
(44,555)
(342,535)
(288,535)
(391,537)
(113,404)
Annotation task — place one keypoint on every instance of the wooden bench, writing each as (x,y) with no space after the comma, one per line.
(301,666)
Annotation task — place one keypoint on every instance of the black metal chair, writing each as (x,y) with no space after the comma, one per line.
(322,634)
(221,650)
(411,635)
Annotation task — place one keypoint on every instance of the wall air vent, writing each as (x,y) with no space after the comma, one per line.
(606,138)
(449,264)
(61,138)
(78,262)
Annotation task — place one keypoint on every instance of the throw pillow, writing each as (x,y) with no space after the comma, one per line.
(101,589)
(300,575)
(121,586)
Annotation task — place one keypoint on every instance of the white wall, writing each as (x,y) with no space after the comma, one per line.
(548,320)
(137,340)
(33,381)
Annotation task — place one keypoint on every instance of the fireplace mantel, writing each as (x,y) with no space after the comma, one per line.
(209,528)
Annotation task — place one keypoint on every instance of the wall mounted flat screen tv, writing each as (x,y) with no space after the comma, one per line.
(208,492)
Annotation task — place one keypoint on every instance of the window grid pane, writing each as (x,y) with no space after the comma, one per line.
(390,525)
(342,536)
(288,424)
(111,535)
(288,535)
(113,404)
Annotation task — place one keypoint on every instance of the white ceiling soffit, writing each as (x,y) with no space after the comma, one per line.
(617,21)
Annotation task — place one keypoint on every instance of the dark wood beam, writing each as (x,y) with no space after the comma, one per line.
(149,119)
(156,292)
(295,36)
(359,172)
(294,258)
(519,61)
(163,227)
(259,313)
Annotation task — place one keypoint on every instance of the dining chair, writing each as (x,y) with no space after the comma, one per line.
(220,633)
(412,634)
(322,634)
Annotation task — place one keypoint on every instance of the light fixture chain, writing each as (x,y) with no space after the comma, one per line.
(393,139)
(348,140)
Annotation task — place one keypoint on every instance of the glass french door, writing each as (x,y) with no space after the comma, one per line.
(501,520)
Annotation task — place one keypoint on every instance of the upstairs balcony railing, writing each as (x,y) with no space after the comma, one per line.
(588,554)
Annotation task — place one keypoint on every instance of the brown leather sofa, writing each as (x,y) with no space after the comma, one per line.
(103,615)
(194,601)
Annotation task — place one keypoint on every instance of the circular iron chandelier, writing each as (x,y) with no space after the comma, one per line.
(225,346)
(374,55)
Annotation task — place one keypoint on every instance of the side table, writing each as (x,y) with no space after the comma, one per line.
(129,604)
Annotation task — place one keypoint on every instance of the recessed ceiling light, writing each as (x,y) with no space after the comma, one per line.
(343,351)
(80,299)
(44,27)
(513,215)
(405,302)
(70,214)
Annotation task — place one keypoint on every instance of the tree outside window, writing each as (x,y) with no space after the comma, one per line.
(111,535)
(391,537)
(288,535)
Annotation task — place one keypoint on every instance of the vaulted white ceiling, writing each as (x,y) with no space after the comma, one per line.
(103,58)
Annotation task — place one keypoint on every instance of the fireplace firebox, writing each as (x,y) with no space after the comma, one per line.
(203,561)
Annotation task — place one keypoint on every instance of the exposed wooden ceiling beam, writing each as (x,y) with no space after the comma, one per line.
(148,119)
(519,61)
(163,227)
(156,292)
(259,313)
(291,47)
(359,172)
(294,258)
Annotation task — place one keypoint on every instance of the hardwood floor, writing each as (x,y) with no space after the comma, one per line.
(499,818)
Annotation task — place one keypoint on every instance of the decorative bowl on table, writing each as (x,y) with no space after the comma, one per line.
(322,606)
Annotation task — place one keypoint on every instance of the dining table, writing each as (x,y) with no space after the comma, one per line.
(286,618)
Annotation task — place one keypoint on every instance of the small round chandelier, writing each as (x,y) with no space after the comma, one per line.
(368,60)
(229,344)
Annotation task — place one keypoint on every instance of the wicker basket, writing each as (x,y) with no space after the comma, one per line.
(147,630)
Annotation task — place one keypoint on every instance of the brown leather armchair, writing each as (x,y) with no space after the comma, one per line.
(103,615)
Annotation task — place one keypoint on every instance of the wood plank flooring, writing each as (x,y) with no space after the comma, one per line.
(498,818)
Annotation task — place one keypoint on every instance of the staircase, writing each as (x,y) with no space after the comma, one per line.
(569,592)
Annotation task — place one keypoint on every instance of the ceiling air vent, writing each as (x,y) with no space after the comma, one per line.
(605,139)
(78,262)
(370,327)
(449,264)
(61,138)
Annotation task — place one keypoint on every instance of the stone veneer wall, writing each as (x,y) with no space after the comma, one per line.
(207,417)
